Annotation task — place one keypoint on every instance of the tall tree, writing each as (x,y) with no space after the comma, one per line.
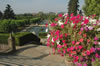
(73,7)
(92,7)
(8,13)
(1,15)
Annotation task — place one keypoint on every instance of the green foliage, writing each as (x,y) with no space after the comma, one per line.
(4,38)
(42,34)
(8,13)
(25,37)
(13,25)
(35,20)
(73,7)
(92,7)
(1,15)
(21,38)
(52,17)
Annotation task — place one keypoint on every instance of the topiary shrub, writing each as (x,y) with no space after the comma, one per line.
(21,38)
(25,37)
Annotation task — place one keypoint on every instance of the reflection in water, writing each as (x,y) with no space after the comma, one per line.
(37,29)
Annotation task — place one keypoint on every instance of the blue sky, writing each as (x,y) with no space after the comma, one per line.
(34,6)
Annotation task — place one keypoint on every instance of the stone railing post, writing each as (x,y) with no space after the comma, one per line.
(11,42)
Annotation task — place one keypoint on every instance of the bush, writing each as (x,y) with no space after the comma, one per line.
(4,38)
(25,37)
(21,38)
(42,34)
(13,25)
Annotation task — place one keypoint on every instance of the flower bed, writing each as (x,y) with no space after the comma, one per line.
(76,37)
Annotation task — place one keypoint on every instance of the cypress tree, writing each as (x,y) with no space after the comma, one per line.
(8,13)
(1,15)
(73,7)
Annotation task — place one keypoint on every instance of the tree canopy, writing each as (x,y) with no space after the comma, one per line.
(73,7)
(1,15)
(8,13)
(92,7)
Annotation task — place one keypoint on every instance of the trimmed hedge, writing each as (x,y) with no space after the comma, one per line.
(4,38)
(42,34)
(21,38)
(8,25)
(25,37)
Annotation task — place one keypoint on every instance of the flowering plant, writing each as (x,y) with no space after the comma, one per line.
(76,37)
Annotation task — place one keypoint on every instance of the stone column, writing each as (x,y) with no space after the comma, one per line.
(11,42)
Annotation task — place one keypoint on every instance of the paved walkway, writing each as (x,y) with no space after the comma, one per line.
(32,55)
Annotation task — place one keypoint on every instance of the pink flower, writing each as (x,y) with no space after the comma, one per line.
(80,33)
(68,49)
(86,28)
(95,38)
(71,48)
(83,54)
(90,28)
(61,36)
(92,50)
(48,44)
(74,52)
(63,41)
(62,26)
(95,42)
(80,47)
(77,43)
(93,59)
(77,57)
(57,32)
(60,15)
(84,35)
(59,46)
(72,14)
(54,39)
(46,25)
(81,29)
(76,48)
(59,50)
(88,40)
(66,22)
(52,43)
(65,34)
(53,24)
(78,16)
(86,21)
(73,42)
(96,55)
(53,49)
(81,40)
(88,52)
(64,51)
(64,45)
(56,19)
(85,64)
(57,38)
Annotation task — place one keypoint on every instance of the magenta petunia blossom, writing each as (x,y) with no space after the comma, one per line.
(96,38)
(73,42)
(95,42)
(62,26)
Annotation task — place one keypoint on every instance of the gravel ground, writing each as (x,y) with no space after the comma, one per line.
(32,55)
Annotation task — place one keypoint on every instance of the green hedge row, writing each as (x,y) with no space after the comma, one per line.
(42,34)
(8,25)
(21,38)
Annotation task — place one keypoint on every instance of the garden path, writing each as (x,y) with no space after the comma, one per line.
(32,55)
